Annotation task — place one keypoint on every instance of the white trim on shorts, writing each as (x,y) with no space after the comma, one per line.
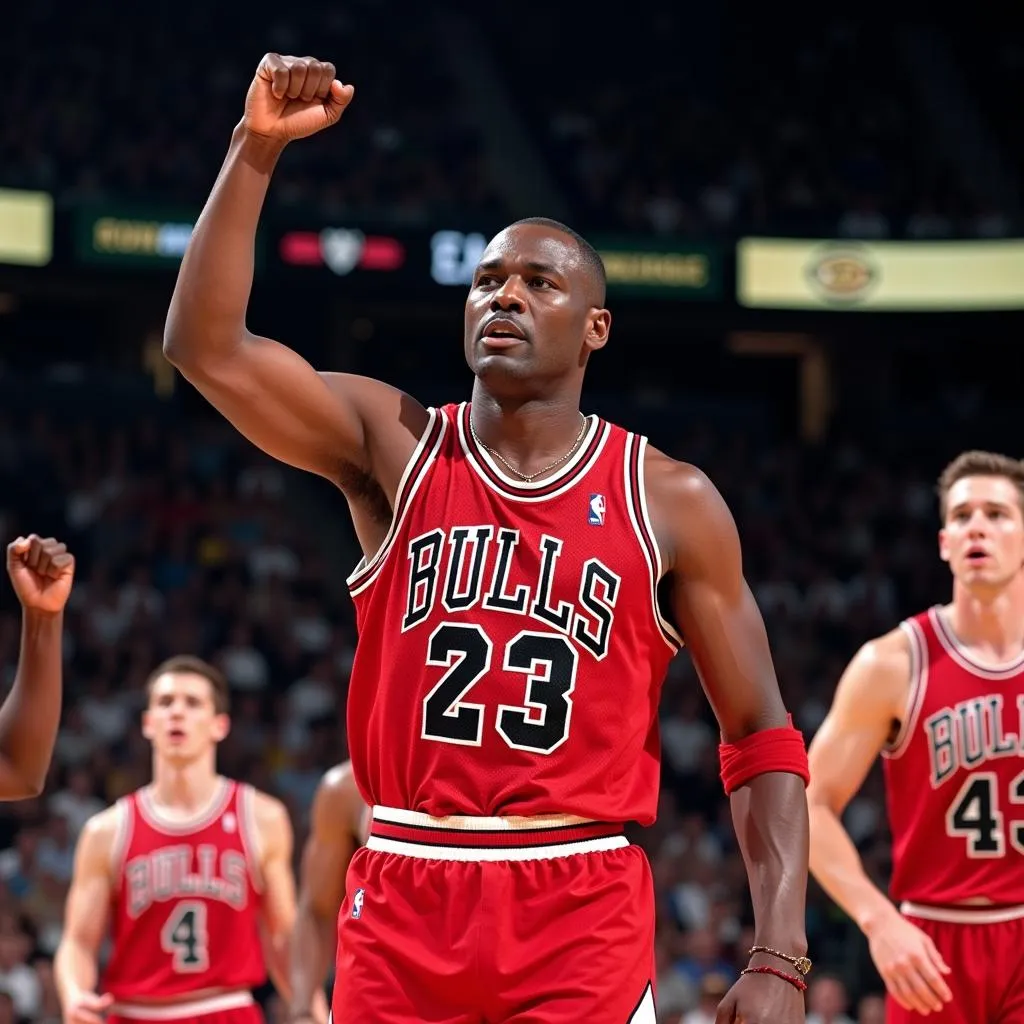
(547,826)
(186,1008)
(962,915)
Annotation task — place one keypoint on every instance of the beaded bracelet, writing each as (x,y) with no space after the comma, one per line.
(791,978)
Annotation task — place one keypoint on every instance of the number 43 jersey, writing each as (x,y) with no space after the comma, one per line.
(511,649)
(955,774)
(186,913)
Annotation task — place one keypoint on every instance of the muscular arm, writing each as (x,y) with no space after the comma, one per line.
(325,862)
(318,422)
(30,715)
(871,695)
(86,912)
(717,614)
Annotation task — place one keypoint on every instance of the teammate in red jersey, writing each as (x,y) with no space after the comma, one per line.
(41,571)
(942,699)
(191,873)
(529,573)
(339,823)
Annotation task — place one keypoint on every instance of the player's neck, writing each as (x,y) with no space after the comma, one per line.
(991,624)
(526,431)
(184,788)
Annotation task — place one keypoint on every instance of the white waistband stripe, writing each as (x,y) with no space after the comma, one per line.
(465,823)
(186,1008)
(491,853)
(962,915)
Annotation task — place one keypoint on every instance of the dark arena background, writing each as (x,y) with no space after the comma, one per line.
(815,256)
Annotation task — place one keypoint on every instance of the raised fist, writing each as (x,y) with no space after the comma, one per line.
(42,571)
(292,97)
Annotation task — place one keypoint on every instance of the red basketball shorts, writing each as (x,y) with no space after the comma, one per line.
(229,1008)
(984,948)
(495,921)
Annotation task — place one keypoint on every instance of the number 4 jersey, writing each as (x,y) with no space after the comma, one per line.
(955,775)
(511,649)
(185,916)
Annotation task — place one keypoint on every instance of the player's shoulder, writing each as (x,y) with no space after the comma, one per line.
(338,780)
(888,653)
(337,795)
(270,815)
(100,833)
(678,481)
(880,671)
(688,513)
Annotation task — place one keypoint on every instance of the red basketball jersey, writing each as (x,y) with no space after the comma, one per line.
(955,775)
(511,652)
(185,917)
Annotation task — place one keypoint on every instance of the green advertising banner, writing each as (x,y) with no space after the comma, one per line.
(642,266)
(131,236)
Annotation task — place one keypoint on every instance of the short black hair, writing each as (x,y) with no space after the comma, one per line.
(590,256)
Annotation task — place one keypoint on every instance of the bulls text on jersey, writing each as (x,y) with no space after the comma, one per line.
(455,572)
(970,734)
(171,873)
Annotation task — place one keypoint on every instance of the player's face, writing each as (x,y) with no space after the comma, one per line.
(529,314)
(181,720)
(983,536)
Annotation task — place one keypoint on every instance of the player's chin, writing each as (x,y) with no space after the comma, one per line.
(511,362)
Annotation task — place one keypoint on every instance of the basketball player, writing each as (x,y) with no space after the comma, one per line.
(41,571)
(339,822)
(942,699)
(192,873)
(531,572)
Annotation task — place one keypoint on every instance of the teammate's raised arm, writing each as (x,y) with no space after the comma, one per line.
(764,764)
(318,422)
(41,571)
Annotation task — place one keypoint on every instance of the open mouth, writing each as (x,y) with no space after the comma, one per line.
(502,330)
(977,555)
(177,734)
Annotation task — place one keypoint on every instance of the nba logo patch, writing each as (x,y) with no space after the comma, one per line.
(595,516)
(357,903)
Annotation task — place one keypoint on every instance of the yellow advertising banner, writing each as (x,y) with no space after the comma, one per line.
(782,273)
(26,227)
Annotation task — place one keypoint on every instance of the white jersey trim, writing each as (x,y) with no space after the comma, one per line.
(962,656)
(636,505)
(250,835)
(369,569)
(916,691)
(203,819)
(570,474)
(186,1008)
(490,853)
(962,915)
(122,835)
(645,1012)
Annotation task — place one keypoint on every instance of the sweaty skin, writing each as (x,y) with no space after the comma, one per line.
(534,315)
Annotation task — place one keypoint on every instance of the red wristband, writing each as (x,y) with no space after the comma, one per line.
(791,978)
(769,750)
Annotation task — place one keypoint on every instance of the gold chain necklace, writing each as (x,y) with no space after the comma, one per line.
(529,478)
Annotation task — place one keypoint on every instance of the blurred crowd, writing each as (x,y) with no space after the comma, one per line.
(188,539)
(701,123)
(158,90)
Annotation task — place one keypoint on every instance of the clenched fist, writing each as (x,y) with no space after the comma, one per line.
(42,571)
(292,97)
